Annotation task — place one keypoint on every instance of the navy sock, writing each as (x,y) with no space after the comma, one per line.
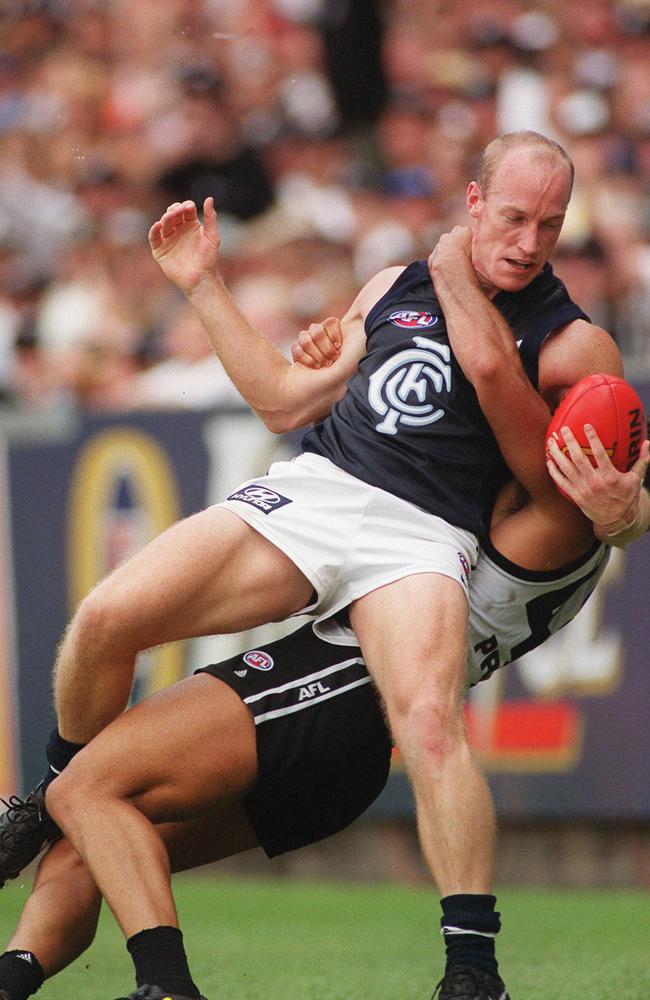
(159,959)
(469,927)
(59,753)
(20,974)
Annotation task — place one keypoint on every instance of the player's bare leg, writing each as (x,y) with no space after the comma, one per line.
(169,758)
(210,573)
(57,924)
(413,635)
(178,756)
(59,919)
(414,638)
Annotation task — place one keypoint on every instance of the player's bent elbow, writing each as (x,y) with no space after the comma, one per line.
(484,370)
(272,422)
(290,419)
(279,421)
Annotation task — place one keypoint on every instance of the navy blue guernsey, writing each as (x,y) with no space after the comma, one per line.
(410,422)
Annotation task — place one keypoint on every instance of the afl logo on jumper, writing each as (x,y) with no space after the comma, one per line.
(398,389)
(258,659)
(261,497)
(407,319)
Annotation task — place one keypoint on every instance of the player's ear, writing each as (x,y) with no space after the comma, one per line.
(473,199)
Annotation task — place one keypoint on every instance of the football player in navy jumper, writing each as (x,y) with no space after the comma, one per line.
(217,572)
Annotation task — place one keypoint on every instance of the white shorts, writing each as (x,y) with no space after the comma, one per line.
(346,537)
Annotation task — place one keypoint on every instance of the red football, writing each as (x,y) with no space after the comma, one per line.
(614,410)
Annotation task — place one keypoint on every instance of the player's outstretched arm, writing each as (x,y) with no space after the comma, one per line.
(283,395)
(616,502)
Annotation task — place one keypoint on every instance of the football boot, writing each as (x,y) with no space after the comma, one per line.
(25,829)
(464,982)
(147,992)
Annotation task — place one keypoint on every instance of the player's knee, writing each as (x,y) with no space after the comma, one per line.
(98,621)
(66,794)
(429,727)
(57,801)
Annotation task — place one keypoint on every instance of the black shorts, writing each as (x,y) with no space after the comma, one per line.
(322,745)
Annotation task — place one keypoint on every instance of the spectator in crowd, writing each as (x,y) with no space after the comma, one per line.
(360,152)
(188,375)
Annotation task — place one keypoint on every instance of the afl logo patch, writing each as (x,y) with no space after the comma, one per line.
(261,497)
(406,319)
(464,565)
(258,659)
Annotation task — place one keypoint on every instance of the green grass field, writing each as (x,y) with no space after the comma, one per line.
(250,939)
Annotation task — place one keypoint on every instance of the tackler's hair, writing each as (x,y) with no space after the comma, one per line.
(539,145)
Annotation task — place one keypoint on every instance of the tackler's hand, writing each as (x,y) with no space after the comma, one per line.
(606,496)
(320,345)
(452,253)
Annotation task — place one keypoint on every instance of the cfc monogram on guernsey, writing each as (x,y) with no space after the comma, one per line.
(398,389)
(410,422)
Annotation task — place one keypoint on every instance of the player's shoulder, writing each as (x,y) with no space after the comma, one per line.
(594,345)
(377,287)
(572,352)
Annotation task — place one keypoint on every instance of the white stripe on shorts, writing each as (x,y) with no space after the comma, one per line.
(306,681)
(276,713)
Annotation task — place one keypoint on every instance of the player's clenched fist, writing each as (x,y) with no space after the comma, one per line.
(319,345)
(186,249)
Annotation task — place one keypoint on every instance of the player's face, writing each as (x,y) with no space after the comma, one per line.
(517,223)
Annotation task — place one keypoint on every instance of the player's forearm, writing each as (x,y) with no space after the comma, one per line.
(285,396)
(481,339)
(485,348)
(619,534)
(255,366)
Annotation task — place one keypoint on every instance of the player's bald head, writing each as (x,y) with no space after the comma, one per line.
(538,146)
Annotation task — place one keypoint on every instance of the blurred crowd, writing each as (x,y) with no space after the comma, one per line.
(337,137)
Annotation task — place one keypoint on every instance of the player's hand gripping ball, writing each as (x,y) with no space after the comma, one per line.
(614,410)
